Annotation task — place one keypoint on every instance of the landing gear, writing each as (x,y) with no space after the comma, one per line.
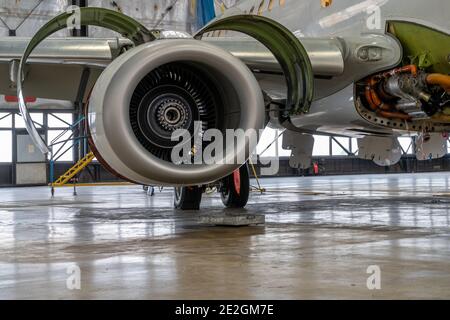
(188,198)
(234,191)
(235,188)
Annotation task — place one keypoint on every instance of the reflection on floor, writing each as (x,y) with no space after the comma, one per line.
(320,237)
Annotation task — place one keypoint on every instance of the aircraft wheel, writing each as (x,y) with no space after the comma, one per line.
(187,198)
(236,188)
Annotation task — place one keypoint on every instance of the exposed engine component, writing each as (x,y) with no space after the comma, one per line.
(408,87)
(407,93)
(169,98)
(147,93)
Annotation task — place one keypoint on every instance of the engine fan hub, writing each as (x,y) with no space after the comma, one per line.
(162,111)
(173,114)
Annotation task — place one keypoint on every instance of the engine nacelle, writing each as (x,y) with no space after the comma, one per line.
(151,91)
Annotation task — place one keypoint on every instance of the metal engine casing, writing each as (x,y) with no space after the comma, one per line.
(109,119)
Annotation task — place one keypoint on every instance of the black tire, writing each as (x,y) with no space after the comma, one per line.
(187,198)
(230,197)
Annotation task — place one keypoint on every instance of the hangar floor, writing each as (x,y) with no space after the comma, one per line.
(321,235)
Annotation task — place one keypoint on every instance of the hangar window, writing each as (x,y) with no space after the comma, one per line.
(59,120)
(266,148)
(406,144)
(271,144)
(5,120)
(354,147)
(6,146)
(38,119)
(321,146)
(59,136)
(340,146)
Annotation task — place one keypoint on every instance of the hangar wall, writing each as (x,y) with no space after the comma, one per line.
(174,14)
(26,16)
(23,17)
(154,14)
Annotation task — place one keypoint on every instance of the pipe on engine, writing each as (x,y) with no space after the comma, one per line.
(441,80)
(158,87)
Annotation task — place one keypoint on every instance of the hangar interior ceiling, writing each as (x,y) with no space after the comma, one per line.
(26,16)
(22,18)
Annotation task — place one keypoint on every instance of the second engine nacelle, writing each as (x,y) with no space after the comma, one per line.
(151,91)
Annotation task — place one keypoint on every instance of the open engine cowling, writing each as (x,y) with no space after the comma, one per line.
(146,94)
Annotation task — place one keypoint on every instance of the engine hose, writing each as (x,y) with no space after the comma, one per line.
(375,99)
(409,68)
(441,118)
(377,104)
(379,107)
(440,80)
(395,115)
(383,109)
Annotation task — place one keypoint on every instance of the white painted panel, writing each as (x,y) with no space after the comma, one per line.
(31,173)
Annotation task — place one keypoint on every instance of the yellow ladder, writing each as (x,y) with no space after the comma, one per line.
(78,167)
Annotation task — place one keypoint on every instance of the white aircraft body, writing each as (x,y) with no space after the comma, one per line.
(369,69)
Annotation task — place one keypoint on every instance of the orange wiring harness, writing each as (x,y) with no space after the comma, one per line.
(376,104)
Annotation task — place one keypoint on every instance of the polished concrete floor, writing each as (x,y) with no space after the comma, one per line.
(320,237)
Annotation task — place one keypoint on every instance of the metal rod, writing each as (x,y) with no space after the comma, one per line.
(343,148)
(270,145)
